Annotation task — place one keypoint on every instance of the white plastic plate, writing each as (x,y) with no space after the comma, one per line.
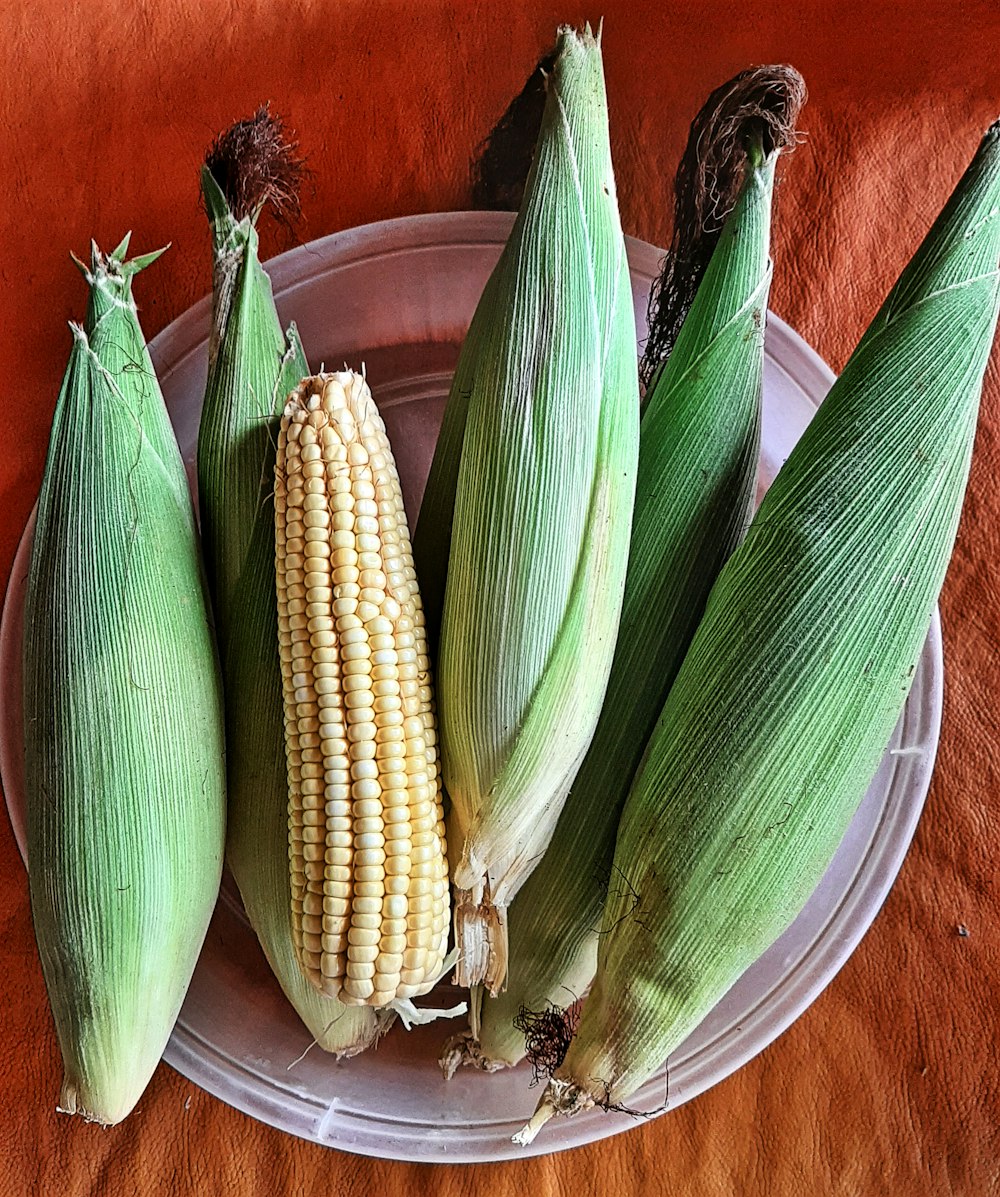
(398,296)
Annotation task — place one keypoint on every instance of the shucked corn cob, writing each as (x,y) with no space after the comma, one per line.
(370,908)
(252,367)
(123,714)
(800,667)
(698,451)
(533,523)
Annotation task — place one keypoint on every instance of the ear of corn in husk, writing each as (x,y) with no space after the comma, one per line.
(698,451)
(250,357)
(369,873)
(800,667)
(541,516)
(123,714)
(253,366)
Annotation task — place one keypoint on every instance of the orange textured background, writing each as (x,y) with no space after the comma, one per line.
(889,1083)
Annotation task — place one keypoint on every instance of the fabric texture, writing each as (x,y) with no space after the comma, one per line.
(889,1083)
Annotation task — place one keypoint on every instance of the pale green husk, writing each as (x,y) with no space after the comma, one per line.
(253,366)
(548,396)
(799,670)
(698,450)
(122,712)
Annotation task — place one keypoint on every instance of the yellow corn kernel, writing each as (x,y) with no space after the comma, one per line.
(365,815)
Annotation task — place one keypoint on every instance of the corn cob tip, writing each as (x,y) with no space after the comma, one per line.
(109,278)
(113,269)
(560,1098)
(71,1102)
(500,170)
(463,1051)
(585,36)
(370,1035)
(77,1098)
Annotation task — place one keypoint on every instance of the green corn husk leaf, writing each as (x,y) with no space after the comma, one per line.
(248,353)
(698,449)
(253,367)
(124,751)
(432,537)
(503,161)
(542,512)
(118,343)
(800,668)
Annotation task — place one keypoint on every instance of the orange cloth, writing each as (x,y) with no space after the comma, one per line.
(890,1082)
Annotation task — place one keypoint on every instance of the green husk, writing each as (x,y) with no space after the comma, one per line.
(698,450)
(542,510)
(124,751)
(253,367)
(251,361)
(798,672)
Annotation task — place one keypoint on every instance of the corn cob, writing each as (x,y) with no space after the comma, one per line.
(535,531)
(698,451)
(800,667)
(123,714)
(369,875)
(253,365)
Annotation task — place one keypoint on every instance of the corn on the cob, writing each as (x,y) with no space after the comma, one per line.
(257,775)
(123,714)
(541,513)
(799,669)
(253,366)
(369,875)
(698,451)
